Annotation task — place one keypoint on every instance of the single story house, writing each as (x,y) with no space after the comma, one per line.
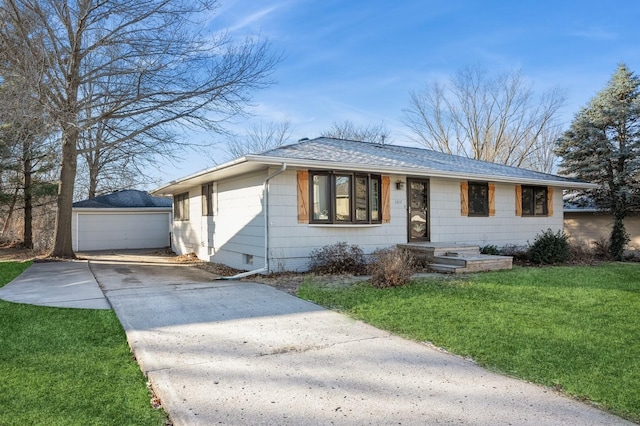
(127,219)
(272,209)
(587,224)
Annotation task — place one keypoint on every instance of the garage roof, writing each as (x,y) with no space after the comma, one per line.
(128,198)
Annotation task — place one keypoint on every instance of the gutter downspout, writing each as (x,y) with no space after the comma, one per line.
(265,208)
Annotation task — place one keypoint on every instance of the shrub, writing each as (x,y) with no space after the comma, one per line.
(490,249)
(550,247)
(619,239)
(581,254)
(517,252)
(339,258)
(391,267)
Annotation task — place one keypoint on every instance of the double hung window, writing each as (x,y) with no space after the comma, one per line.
(478,199)
(207,199)
(181,206)
(534,201)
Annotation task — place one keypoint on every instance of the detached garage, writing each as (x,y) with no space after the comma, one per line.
(128,219)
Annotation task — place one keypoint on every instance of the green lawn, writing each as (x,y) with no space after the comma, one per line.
(67,367)
(574,328)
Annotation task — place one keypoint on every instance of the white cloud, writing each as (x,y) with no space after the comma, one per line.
(252,18)
(595,34)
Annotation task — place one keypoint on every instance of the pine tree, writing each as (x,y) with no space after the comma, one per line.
(603,146)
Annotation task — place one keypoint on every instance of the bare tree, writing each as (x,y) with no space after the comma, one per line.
(27,155)
(497,119)
(167,73)
(347,129)
(260,137)
(112,155)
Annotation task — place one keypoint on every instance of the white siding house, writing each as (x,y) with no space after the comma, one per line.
(288,201)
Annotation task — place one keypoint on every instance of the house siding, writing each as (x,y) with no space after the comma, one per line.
(291,242)
(586,228)
(185,237)
(504,228)
(234,233)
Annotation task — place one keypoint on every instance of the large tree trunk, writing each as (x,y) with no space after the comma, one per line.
(27,236)
(62,243)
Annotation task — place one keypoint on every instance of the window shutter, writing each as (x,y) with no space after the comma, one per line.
(386,199)
(549,201)
(464,198)
(518,200)
(492,199)
(303,196)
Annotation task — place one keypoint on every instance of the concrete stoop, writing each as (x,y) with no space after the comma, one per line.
(457,258)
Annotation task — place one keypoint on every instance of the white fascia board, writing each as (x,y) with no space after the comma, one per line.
(421,172)
(201,176)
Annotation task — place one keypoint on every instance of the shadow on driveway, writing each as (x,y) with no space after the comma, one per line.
(220,352)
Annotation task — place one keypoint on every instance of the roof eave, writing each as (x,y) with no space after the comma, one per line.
(175,186)
(426,172)
(165,189)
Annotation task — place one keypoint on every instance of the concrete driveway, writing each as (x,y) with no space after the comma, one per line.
(243,353)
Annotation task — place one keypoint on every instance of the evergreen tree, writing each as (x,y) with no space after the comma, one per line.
(603,146)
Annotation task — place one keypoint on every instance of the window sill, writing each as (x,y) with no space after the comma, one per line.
(344,225)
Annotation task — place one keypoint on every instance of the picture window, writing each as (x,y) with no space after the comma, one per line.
(343,197)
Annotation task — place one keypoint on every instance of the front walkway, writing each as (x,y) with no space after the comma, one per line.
(56,284)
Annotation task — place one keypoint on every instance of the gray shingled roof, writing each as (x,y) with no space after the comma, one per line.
(372,154)
(578,201)
(128,198)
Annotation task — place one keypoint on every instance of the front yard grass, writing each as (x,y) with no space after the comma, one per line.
(67,367)
(576,329)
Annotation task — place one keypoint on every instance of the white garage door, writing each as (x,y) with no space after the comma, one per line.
(122,231)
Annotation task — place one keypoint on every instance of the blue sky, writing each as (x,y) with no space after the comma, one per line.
(358,60)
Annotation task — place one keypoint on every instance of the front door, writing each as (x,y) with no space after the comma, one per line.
(418,209)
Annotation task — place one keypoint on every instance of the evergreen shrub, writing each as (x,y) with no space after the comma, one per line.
(550,248)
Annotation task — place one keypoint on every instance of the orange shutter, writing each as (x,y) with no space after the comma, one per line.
(464,198)
(518,200)
(549,201)
(492,199)
(303,196)
(386,199)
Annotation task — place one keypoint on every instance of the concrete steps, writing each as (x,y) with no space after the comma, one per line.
(457,258)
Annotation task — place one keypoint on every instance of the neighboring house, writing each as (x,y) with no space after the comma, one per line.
(281,204)
(586,224)
(127,219)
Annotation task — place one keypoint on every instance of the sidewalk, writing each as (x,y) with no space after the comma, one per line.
(56,284)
